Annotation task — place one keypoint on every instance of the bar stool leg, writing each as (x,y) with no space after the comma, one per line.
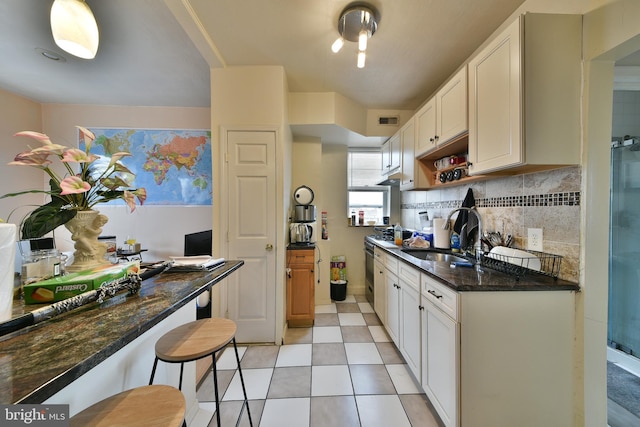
(244,391)
(215,388)
(153,371)
(181,370)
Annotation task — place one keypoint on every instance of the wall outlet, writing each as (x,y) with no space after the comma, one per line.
(534,240)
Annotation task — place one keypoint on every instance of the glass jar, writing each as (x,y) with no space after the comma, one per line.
(39,265)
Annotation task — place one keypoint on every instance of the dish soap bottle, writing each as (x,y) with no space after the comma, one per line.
(455,242)
(397,235)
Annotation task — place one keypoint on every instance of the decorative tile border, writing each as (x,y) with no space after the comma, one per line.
(571,198)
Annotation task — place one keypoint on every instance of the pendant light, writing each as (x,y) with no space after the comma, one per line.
(357,24)
(74,28)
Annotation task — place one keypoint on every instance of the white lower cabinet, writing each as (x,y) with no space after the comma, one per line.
(410,313)
(486,358)
(380,290)
(440,337)
(393,308)
(440,348)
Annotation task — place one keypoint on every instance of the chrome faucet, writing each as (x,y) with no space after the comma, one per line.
(446,226)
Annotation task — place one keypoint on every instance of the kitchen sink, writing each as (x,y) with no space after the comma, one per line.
(434,256)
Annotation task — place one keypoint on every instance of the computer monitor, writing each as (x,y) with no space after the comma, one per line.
(198,243)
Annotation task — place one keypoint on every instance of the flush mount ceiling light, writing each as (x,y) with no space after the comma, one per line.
(74,28)
(357,23)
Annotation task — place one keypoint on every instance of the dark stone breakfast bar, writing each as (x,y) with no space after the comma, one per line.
(43,362)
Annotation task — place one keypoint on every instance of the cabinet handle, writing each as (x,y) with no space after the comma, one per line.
(432,292)
(437,137)
(421,307)
(469,164)
(431,139)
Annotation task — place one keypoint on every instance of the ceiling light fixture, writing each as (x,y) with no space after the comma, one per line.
(357,23)
(74,28)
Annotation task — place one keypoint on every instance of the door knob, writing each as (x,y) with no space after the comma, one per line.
(269,247)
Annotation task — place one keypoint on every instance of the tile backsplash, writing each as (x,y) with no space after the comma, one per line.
(549,200)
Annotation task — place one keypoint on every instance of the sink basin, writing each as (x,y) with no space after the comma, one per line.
(434,256)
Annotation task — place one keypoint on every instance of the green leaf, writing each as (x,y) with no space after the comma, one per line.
(44,219)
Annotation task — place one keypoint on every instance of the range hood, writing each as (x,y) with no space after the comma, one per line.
(393,179)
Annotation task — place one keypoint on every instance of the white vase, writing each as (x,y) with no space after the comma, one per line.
(85,228)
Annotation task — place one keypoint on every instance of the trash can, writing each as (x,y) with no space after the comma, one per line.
(338,278)
(338,290)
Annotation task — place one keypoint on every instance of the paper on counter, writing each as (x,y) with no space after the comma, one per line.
(200,262)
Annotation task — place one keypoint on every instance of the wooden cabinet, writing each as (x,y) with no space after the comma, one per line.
(524,96)
(391,155)
(300,287)
(444,116)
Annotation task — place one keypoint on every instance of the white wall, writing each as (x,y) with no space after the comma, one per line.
(159,229)
(626,109)
(17,114)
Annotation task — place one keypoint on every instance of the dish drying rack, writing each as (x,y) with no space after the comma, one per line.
(519,266)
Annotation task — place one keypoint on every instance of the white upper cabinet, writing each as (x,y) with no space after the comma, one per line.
(427,138)
(391,154)
(451,107)
(444,116)
(524,96)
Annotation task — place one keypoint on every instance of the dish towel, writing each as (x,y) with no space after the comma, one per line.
(466,224)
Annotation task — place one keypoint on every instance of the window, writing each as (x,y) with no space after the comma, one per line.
(364,195)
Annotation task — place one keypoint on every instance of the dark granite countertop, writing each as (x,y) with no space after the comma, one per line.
(466,279)
(296,246)
(38,361)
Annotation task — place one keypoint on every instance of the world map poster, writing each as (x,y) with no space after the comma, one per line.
(174,166)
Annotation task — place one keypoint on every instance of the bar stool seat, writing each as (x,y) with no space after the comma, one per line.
(152,405)
(195,340)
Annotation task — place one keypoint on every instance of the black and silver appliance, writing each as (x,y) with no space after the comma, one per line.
(369,290)
(304,211)
(302,230)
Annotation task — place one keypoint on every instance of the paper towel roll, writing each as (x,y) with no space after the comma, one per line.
(441,237)
(7,267)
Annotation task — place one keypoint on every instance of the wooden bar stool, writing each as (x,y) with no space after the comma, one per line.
(198,339)
(152,405)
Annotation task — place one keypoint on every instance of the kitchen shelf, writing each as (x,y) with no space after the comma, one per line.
(456,146)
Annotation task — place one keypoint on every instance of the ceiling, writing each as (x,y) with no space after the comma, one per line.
(145,57)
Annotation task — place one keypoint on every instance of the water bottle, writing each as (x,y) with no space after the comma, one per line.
(397,235)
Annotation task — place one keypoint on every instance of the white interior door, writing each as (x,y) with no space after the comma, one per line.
(251,295)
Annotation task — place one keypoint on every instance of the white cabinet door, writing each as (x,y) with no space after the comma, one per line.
(525,96)
(407,165)
(440,366)
(380,290)
(495,104)
(393,307)
(391,154)
(451,107)
(426,139)
(410,338)
(394,152)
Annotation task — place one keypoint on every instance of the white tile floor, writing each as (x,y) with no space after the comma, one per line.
(319,379)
